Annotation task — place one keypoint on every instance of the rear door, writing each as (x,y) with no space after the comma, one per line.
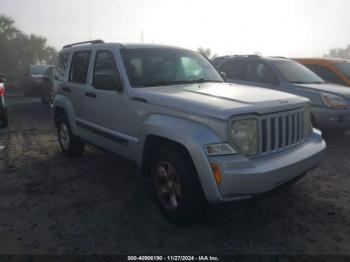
(77,80)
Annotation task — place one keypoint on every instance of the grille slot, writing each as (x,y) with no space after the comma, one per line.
(281,131)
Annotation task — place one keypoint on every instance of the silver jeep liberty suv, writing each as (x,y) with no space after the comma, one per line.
(201,141)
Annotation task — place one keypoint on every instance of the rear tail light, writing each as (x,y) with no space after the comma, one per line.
(2,89)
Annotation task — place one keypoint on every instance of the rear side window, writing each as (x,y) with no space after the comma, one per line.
(79,67)
(259,72)
(61,65)
(327,74)
(235,69)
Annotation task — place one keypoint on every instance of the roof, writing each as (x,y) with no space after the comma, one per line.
(149,46)
(122,45)
(270,58)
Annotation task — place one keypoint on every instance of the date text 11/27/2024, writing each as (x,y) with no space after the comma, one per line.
(173,258)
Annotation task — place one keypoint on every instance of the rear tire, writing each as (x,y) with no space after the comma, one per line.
(177,189)
(70,144)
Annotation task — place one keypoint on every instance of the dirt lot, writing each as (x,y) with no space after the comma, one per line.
(97,204)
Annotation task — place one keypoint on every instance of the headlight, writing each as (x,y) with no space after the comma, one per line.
(307,122)
(244,136)
(334,101)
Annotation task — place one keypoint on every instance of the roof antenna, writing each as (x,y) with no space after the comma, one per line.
(89,18)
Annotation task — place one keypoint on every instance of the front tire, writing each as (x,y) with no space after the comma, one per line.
(71,145)
(178,192)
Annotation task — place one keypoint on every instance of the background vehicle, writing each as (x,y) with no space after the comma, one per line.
(332,70)
(32,79)
(167,109)
(330,103)
(46,86)
(3,110)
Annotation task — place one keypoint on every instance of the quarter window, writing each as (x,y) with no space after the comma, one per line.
(79,67)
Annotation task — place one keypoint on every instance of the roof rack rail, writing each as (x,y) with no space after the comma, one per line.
(278,57)
(98,41)
(252,56)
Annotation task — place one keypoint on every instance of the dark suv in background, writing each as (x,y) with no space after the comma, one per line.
(46,86)
(32,79)
(330,103)
(3,110)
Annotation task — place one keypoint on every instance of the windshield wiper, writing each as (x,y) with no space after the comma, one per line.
(181,82)
(164,83)
(317,82)
(204,80)
(298,82)
(303,82)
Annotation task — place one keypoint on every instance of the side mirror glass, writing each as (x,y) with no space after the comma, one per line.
(107,82)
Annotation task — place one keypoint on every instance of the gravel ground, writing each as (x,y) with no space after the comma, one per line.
(98,204)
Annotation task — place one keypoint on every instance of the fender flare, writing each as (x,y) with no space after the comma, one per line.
(192,136)
(65,104)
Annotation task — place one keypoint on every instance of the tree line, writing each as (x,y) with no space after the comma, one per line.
(19,50)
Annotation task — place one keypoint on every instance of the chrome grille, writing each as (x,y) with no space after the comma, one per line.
(280,131)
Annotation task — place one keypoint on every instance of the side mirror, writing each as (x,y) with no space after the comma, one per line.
(107,82)
(223,75)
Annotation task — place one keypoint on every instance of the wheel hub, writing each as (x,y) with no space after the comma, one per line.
(168,186)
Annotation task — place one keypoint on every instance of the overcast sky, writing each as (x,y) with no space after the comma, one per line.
(292,28)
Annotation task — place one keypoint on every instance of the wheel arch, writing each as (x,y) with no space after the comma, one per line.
(186,135)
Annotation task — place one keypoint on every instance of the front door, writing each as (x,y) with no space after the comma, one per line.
(109,118)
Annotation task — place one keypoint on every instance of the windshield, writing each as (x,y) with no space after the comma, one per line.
(297,73)
(161,66)
(344,68)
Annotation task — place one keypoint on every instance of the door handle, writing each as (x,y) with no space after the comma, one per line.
(66,89)
(90,94)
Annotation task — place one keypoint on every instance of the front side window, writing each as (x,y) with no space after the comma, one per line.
(161,66)
(344,68)
(105,64)
(326,74)
(259,72)
(79,67)
(296,73)
(235,69)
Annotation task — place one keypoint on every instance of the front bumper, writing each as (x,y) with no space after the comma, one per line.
(244,178)
(331,119)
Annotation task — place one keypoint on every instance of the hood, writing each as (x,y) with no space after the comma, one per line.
(220,100)
(328,88)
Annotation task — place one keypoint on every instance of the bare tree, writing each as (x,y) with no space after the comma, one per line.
(343,53)
(206,52)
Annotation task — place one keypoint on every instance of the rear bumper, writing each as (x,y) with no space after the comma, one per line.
(243,178)
(332,119)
